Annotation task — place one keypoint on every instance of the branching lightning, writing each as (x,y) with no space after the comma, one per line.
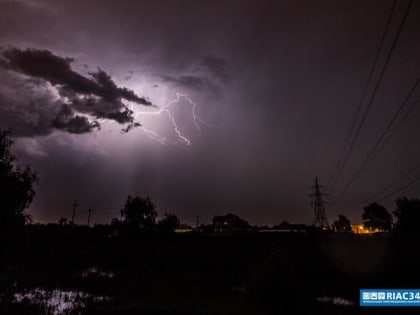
(197,121)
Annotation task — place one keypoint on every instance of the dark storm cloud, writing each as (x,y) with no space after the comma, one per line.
(188,81)
(123,117)
(130,126)
(210,69)
(96,95)
(56,70)
(66,120)
(26,105)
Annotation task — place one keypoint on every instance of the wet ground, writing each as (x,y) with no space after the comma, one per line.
(204,274)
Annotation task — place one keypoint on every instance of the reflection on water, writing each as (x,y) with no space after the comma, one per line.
(336,300)
(96,272)
(57,301)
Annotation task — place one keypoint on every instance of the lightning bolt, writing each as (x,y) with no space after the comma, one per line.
(197,121)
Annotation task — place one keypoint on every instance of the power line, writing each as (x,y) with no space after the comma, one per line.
(107,212)
(394,131)
(50,218)
(359,107)
(417,179)
(399,179)
(378,142)
(369,105)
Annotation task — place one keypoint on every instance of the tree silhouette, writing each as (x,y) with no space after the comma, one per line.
(139,212)
(169,223)
(342,224)
(376,216)
(16,188)
(408,216)
(62,221)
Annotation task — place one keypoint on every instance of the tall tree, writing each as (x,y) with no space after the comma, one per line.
(16,188)
(342,224)
(376,216)
(139,212)
(408,216)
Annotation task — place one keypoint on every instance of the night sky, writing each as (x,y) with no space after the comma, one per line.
(208,107)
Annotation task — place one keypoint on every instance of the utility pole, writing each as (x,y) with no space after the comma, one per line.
(320,218)
(75,204)
(196,224)
(89,213)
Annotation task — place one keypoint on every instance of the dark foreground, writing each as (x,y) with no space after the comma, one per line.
(204,274)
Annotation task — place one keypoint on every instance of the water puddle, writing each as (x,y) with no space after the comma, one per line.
(96,272)
(336,300)
(57,301)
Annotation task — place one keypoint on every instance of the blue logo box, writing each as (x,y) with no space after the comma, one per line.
(387,297)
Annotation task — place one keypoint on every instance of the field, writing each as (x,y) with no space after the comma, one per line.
(255,273)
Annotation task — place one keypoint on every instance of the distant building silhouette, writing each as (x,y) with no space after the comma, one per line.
(230,223)
(288,227)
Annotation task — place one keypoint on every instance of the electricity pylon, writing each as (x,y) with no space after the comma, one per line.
(320,218)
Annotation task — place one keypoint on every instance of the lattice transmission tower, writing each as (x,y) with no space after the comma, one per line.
(320,218)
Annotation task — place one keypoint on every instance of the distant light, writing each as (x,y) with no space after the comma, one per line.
(361,229)
(184,230)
